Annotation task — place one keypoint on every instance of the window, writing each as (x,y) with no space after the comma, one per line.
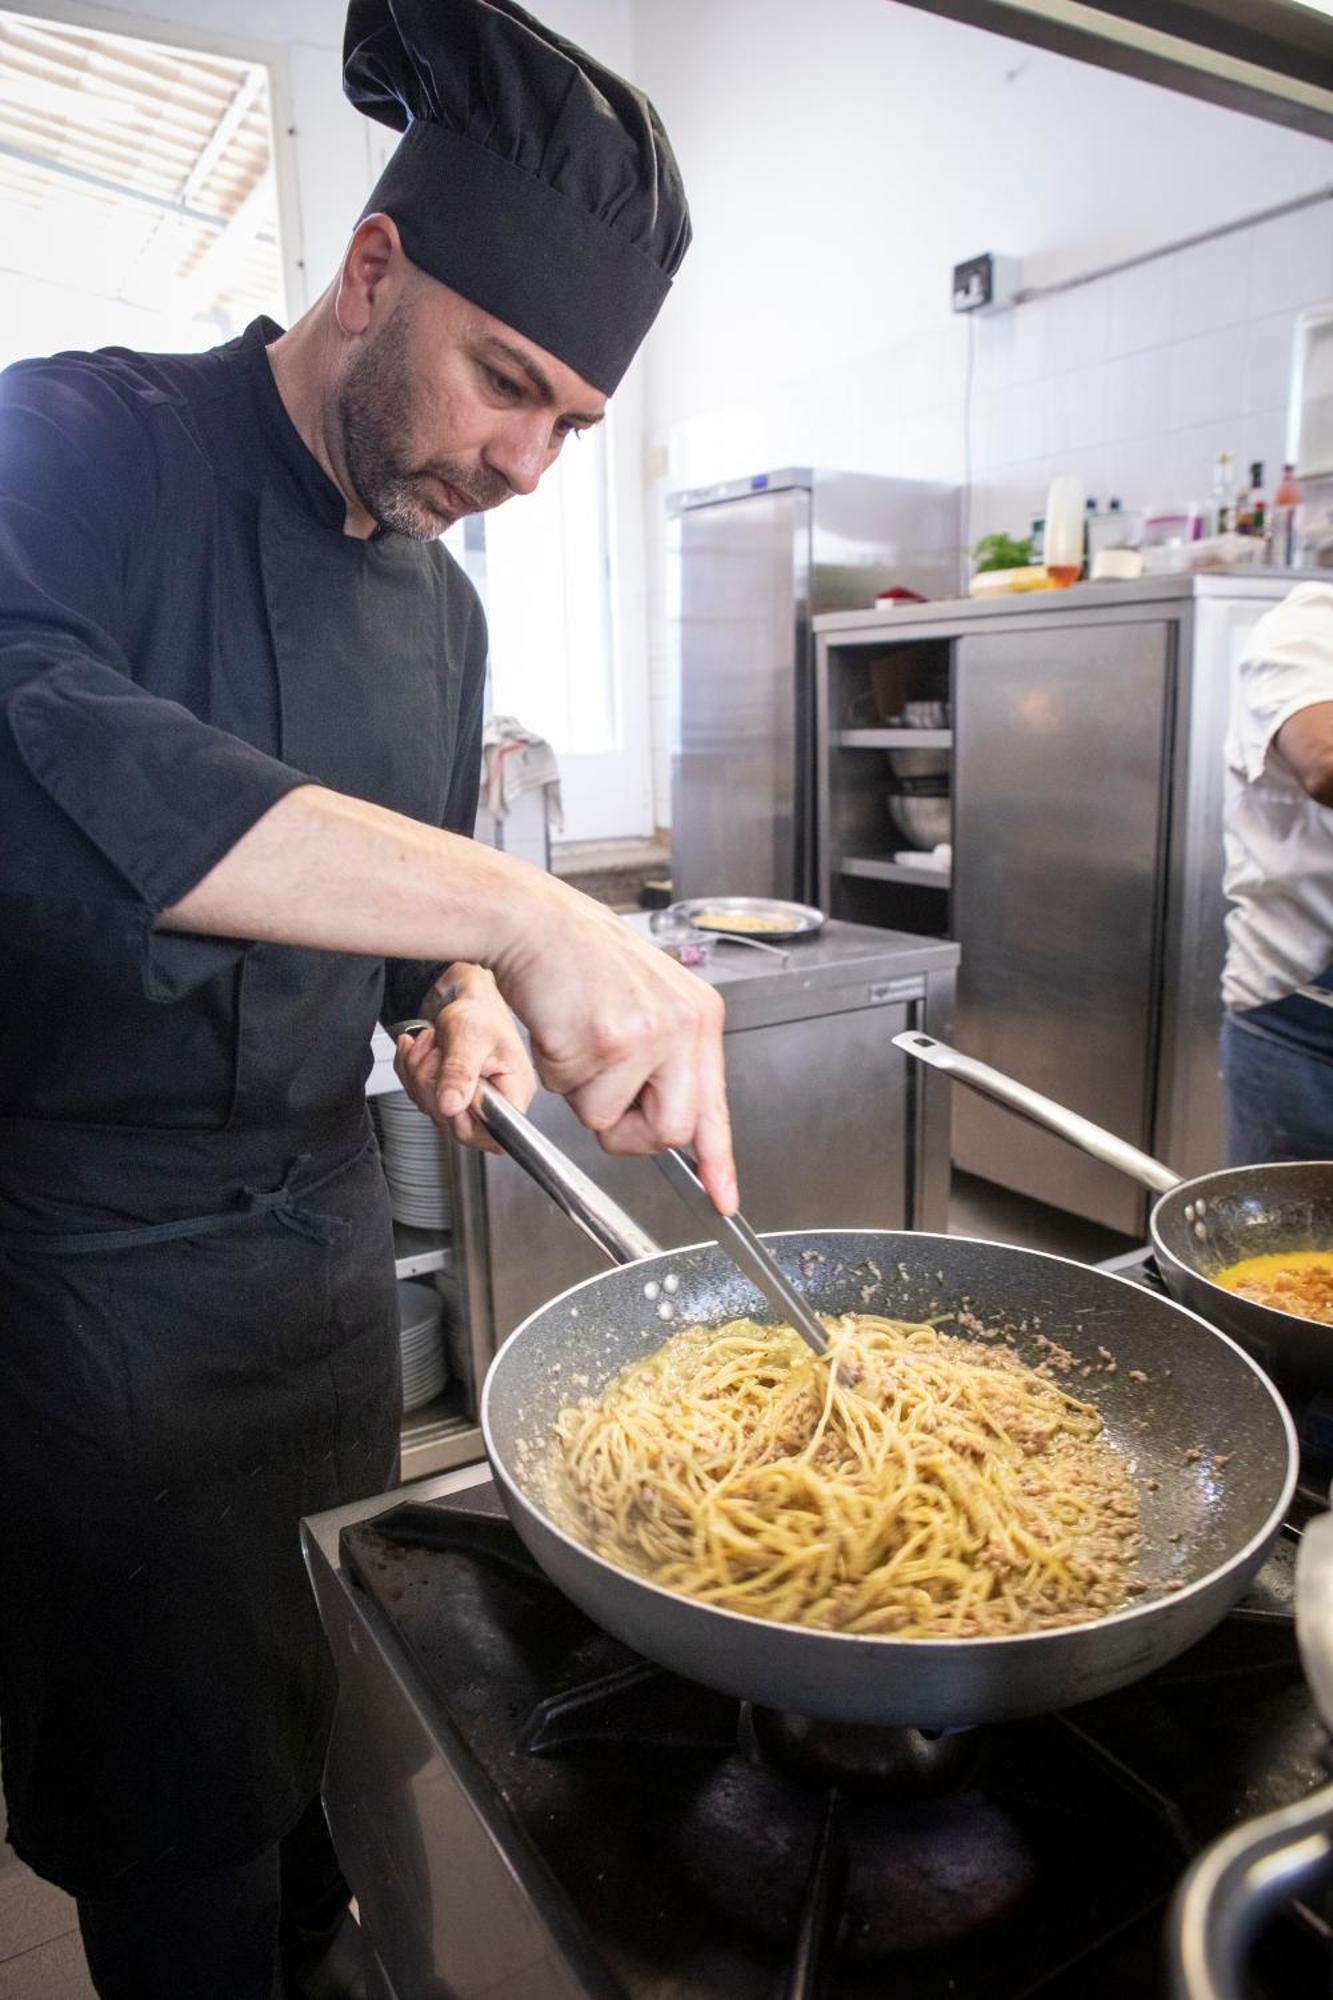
(549,604)
(138,192)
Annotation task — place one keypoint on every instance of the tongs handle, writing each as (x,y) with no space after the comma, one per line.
(610,1228)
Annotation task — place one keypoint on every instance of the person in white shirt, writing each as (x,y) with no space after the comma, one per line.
(1277,1042)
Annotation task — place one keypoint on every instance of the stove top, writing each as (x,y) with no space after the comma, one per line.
(679,1845)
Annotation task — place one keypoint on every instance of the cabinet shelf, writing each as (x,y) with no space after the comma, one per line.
(893,739)
(868,870)
(439,1436)
(416,1251)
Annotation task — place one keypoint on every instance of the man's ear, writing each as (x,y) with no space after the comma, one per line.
(373,255)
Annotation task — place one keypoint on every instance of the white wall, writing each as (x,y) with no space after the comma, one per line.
(840,161)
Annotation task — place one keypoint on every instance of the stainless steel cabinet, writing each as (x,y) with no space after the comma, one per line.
(752,560)
(1060,797)
(744,601)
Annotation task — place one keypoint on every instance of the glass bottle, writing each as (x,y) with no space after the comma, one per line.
(1285,518)
(1223,516)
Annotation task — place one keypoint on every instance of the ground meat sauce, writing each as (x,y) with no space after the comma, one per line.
(1292,1281)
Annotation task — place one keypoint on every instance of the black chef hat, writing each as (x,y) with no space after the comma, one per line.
(528,178)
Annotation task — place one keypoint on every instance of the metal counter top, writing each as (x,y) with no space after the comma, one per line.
(938,620)
(837,956)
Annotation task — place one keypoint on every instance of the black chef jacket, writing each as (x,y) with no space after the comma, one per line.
(198,1337)
(185,634)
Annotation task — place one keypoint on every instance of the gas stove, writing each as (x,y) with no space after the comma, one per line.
(528,1811)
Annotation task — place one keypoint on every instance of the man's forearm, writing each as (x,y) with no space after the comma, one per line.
(329,871)
(632,1039)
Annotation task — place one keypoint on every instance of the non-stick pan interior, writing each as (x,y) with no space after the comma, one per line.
(1248,1212)
(1194,1415)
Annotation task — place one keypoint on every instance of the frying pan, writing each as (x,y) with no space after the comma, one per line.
(1198,1226)
(1207,1526)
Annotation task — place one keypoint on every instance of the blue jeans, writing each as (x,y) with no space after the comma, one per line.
(1279,1096)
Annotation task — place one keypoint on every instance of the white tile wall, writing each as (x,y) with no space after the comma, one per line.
(1211,284)
(1207,378)
(1137,381)
(1293,260)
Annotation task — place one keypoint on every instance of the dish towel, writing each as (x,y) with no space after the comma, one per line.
(514,760)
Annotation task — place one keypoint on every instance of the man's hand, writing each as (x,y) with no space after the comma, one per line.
(474,1037)
(631,1038)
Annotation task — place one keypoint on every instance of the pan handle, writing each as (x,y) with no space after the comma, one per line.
(1233,1886)
(618,1234)
(1079,1131)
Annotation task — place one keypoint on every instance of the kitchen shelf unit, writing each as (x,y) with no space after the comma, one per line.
(893,739)
(869,870)
(1085,894)
(443,1434)
(417,1253)
(863,751)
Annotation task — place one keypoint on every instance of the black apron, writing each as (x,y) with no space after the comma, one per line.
(199,1342)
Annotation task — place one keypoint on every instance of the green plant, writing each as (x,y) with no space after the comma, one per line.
(1001,552)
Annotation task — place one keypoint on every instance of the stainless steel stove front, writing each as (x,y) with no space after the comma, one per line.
(446,1912)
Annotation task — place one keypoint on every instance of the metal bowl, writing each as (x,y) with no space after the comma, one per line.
(925,821)
(919,763)
(784,920)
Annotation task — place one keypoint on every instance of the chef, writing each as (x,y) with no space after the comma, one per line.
(1277,1043)
(242,686)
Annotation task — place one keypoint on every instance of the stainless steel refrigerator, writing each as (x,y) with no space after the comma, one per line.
(753,561)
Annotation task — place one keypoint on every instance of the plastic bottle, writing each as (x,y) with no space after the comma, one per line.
(1285,531)
(1062,549)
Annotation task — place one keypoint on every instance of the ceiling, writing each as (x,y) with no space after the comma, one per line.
(1270,58)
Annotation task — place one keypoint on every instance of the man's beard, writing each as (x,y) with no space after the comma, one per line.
(375,413)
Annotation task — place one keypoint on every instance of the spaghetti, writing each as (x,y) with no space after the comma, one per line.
(910,1483)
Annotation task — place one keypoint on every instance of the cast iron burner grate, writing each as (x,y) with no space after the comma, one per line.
(684,1847)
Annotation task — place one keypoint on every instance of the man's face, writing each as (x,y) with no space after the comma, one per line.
(445,411)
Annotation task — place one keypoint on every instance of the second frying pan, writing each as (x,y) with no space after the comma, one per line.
(1199,1226)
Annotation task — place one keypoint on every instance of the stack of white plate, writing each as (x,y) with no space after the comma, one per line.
(421,1336)
(416,1162)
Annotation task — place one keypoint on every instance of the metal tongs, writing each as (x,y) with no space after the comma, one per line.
(732,1233)
(617,1233)
(747,1252)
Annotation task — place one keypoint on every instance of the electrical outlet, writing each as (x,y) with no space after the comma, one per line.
(985,284)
